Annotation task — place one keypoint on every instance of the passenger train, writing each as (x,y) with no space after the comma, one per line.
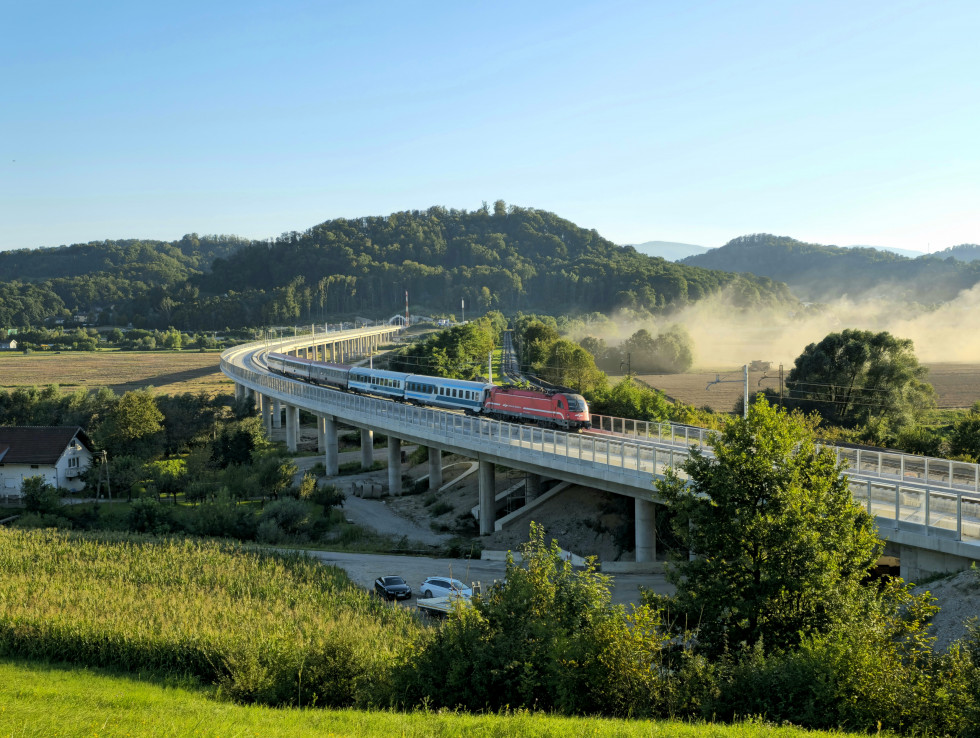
(564,410)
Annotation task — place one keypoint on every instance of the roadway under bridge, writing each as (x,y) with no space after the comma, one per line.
(927,510)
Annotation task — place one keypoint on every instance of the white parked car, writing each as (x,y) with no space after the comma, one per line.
(444,587)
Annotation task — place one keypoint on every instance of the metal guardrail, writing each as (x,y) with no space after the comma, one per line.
(932,497)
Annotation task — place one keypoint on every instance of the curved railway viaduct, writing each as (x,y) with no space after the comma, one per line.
(927,510)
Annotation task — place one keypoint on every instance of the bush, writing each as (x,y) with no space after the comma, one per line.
(224,518)
(292,518)
(548,638)
(40,520)
(147,515)
(328,496)
(877,672)
(39,496)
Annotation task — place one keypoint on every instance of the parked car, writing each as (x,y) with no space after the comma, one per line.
(444,587)
(392,588)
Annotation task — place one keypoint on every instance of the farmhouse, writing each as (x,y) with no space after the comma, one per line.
(58,453)
(8,345)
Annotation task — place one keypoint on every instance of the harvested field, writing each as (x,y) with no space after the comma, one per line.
(956,385)
(168,372)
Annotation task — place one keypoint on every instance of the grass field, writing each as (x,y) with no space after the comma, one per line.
(956,385)
(41,700)
(168,372)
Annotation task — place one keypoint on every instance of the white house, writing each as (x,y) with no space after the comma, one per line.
(10,345)
(58,453)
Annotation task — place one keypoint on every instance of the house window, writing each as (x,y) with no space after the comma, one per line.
(73,462)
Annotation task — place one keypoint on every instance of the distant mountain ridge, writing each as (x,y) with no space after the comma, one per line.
(910,253)
(818,273)
(669,250)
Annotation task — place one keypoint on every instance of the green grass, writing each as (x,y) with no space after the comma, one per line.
(940,417)
(498,361)
(354,467)
(40,700)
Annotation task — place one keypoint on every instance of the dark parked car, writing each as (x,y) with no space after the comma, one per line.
(392,588)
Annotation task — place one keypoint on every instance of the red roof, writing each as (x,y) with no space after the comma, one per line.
(36,444)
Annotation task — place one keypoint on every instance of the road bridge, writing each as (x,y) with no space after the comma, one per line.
(928,510)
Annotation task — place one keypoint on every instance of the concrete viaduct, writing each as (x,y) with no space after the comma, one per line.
(928,510)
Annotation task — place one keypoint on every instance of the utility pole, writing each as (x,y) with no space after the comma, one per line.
(745,400)
(406,309)
(490,367)
(462,308)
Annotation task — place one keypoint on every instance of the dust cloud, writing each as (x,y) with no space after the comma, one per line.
(726,336)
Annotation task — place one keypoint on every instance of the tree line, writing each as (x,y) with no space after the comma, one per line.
(508,259)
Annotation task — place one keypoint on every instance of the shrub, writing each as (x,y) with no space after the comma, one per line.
(328,496)
(879,671)
(548,638)
(441,508)
(292,518)
(39,496)
(147,515)
(40,520)
(222,517)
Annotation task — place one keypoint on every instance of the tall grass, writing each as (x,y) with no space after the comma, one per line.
(265,628)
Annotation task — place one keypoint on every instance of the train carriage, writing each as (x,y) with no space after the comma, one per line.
(377,382)
(453,394)
(317,372)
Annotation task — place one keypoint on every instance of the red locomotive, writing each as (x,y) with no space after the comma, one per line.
(554,409)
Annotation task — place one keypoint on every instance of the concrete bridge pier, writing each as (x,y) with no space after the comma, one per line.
(292,428)
(330,448)
(321,433)
(532,489)
(367,448)
(435,468)
(394,466)
(239,392)
(276,411)
(267,416)
(487,494)
(646,530)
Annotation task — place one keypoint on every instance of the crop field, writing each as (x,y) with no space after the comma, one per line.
(956,385)
(168,372)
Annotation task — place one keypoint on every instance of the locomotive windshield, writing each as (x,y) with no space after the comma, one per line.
(576,403)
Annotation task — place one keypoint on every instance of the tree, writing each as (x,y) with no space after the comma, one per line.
(546,638)
(133,426)
(39,496)
(965,439)
(855,376)
(779,545)
(570,365)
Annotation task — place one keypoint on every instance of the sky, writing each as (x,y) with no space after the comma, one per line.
(832,122)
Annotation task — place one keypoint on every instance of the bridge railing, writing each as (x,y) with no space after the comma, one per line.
(953,475)
(927,496)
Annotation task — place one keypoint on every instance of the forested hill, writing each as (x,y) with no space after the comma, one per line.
(142,260)
(963,252)
(819,273)
(504,258)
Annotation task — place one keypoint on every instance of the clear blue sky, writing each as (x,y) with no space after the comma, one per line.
(832,122)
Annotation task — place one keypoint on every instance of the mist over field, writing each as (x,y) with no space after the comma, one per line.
(725,335)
